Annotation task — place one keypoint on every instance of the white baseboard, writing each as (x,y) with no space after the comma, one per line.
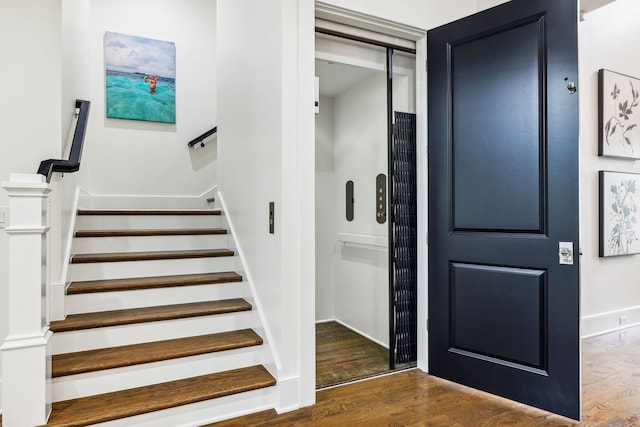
(287,395)
(361,333)
(611,321)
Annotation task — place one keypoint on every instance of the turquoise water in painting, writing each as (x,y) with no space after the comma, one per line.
(128,97)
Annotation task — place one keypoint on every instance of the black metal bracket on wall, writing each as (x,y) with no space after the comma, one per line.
(48,167)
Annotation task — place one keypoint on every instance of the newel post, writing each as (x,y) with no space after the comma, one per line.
(25,362)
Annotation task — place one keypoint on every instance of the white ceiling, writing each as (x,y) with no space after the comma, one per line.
(335,78)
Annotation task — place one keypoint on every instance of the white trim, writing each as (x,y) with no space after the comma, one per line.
(250,282)
(603,323)
(26,230)
(364,33)
(69,242)
(422,201)
(368,22)
(306,200)
(287,395)
(26,341)
(209,192)
(360,20)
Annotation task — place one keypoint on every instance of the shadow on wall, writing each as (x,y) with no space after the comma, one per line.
(203,156)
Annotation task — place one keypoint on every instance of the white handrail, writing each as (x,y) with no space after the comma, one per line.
(364,239)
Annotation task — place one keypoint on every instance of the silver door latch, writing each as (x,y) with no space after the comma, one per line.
(565,253)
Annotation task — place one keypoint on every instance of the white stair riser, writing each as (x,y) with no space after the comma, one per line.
(90,245)
(138,202)
(109,222)
(121,270)
(113,336)
(74,386)
(106,301)
(201,413)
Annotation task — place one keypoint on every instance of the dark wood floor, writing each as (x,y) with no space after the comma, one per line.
(611,397)
(343,356)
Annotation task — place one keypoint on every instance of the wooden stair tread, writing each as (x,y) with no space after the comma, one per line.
(149,212)
(137,283)
(135,354)
(150,232)
(149,255)
(148,314)
(126,403)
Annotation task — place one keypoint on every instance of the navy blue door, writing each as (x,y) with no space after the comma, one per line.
(503,203)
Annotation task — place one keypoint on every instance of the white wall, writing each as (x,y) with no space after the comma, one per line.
(30,83)
(610,287)
(265,98)
(127,157)
(327,203)
(351,144)
(360,154)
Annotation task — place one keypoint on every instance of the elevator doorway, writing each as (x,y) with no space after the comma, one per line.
(358,326)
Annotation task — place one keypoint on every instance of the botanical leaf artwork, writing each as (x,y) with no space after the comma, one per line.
(621,121)
(623,216)
(620,97)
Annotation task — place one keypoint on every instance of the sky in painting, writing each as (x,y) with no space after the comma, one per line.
(131,54)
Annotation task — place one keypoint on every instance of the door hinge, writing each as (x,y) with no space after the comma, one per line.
(427,324)
(426,66)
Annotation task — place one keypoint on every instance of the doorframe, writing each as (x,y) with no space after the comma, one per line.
(383,26)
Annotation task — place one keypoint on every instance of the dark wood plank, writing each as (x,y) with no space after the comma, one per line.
(128,355)
(611,397)
(343,355)
(156,232)
(111,406)
(149,256)
(93,286)
(148,314)
(149,212)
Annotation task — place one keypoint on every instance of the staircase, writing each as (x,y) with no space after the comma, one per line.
(160,329)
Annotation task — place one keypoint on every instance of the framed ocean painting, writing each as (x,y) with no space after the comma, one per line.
(140,78)
(619,217)
(618,115)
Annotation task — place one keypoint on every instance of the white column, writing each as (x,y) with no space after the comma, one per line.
(25,359)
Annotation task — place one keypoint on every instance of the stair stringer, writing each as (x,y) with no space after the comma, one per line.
(271,360)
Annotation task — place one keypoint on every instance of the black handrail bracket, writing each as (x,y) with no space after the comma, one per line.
(48,167)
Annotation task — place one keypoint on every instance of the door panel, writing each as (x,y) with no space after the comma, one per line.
(503,192)
(490,112)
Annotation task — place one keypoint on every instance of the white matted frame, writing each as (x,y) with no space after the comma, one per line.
(619,216)
(618,115)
